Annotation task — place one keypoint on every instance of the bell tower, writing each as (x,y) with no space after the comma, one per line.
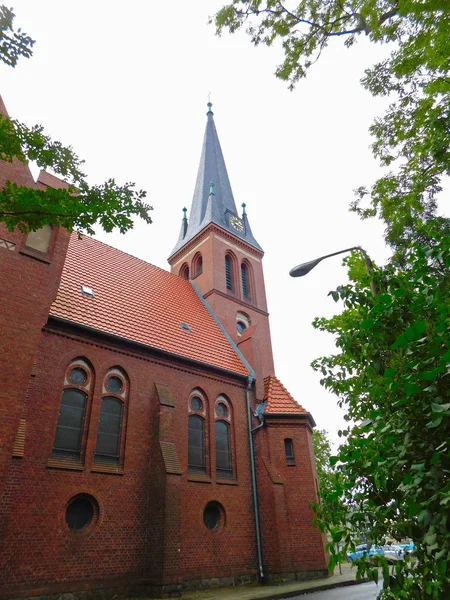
(216,249)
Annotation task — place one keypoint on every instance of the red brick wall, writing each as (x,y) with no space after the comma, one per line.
(29,283)
(291,543)
(150,523)
(213,246)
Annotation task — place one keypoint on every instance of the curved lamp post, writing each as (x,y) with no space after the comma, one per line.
(306,267)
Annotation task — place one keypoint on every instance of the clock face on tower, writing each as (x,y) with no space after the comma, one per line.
(236,223)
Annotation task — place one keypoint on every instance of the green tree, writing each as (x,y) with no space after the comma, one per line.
(79,206)
(391,372)
(414,133)
(392,367)
(330,488)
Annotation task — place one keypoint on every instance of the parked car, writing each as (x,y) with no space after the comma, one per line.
(407,548)
(361,550)
(393,552)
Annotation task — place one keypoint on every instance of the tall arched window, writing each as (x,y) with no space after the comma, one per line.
(109,444)
(78,382)
(197,462)
(228,277)
(230,271)
(244,277)
(248,286)
(197,265)
(224,461)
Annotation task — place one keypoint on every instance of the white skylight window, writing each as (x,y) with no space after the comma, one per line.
(87,291)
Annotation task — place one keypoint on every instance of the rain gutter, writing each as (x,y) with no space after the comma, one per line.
(250,380)
(162,353)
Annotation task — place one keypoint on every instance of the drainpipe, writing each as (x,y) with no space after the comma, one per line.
(253,472)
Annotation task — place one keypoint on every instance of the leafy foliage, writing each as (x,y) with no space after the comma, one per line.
(330,486)
(414,134)
(13,44)
(79,205)
(392,367)
(392,373)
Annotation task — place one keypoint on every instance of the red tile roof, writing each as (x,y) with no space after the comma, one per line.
(278,399)
(140,302)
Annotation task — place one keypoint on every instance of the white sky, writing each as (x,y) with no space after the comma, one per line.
(126,84)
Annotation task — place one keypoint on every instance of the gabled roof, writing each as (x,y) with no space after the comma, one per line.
(141,303)
(278,399)
(212,204)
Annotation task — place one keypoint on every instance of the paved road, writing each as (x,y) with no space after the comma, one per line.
(363,591)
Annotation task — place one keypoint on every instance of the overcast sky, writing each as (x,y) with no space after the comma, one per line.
(126,84)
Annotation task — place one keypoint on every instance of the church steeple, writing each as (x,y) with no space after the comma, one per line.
(213,200)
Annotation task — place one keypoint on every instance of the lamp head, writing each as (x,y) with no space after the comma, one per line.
(304,268)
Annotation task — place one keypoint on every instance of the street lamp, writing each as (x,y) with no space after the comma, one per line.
(306,267)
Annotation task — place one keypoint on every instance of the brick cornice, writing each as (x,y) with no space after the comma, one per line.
(237,301)
(98,340)
(212,227)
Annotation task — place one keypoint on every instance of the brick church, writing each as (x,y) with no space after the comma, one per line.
(146,445)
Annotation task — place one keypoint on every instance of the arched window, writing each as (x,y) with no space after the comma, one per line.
(224,462)
(248,286)
(184,271)
(40,239)
(228,278)
(78,381)
(242,322)
(197,462)
(230,272)
(244,277)
(197,265)
(196,444)
(109,444)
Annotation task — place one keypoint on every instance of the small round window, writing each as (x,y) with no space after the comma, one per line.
(114,385)
(80,512)
(241,327)
(222,410)
(196,404)
(213,515)
(78,376)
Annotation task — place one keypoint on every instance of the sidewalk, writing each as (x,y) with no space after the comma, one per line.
(274,592)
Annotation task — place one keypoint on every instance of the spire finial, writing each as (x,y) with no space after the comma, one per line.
(184,211)
(243,208)
(211,188)
(209,105)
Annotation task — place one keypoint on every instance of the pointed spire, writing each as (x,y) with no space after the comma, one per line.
(184,223)
(213,204)
(184,227)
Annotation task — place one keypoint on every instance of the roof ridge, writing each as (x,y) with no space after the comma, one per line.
(141,260)
(272,387)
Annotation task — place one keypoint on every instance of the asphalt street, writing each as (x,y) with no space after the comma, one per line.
(364,591)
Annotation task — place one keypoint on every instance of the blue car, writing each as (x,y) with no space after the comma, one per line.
(361,550)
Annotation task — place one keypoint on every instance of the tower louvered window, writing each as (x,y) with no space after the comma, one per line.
(228,274)
(244,280)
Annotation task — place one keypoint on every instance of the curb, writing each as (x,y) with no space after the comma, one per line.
(319,588)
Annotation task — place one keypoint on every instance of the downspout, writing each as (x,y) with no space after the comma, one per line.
(250,380)
(253,471)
